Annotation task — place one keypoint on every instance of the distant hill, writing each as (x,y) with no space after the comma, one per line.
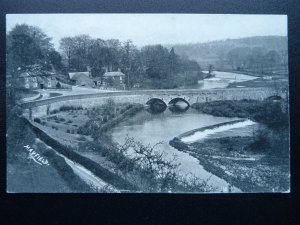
(212,52)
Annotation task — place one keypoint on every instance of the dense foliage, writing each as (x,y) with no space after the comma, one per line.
(152,67)
(27,46)
(260,54)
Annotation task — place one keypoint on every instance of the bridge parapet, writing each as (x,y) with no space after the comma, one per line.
(142,96)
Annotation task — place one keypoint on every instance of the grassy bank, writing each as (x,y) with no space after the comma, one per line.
(250,171)
(97,169)
(260,82)
(254,164)
(271,113)
(25,175)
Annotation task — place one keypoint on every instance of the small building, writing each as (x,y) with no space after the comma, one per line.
(82,79)
(97,81)
(30,80)
(114,79)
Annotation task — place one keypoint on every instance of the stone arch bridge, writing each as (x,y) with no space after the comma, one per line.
(143,96)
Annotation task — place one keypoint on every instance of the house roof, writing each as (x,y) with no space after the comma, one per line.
(75,74)
(113,74)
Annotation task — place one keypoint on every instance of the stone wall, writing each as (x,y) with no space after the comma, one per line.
(192,96)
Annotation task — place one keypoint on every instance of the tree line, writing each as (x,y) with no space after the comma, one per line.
(152,66)
(255,59)
(259,54)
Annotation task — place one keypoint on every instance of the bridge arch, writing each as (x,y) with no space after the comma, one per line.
(274,98)
(156,105)
(179,105)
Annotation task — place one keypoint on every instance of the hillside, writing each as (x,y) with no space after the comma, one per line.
(212,52)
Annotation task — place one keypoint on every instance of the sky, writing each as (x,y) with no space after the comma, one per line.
(148,29)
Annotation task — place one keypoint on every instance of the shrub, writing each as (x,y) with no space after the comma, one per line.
(69,108)
(261,141)
(54,111)
(81,138)
(68,131)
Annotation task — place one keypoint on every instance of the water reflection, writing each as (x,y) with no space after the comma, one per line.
(155,106)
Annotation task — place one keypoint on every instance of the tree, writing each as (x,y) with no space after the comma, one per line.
(27,45)
(237,57)
(256,59)
(156,59)
(114,53)
(76,50)
(174,61)
(27,48)
(272,59)
(67,47)
(81,49)
(55,59)
(98,57)
(127,59)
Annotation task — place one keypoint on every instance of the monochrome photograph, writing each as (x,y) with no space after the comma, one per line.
(147,103)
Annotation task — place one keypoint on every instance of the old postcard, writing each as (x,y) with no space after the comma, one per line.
(147,103)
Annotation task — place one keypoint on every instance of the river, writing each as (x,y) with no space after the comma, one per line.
(223,79)
(153,128)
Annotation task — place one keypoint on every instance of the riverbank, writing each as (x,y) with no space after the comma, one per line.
(228,159)
(275,82)
(26,173)
(145,171)
(258,163)
(65,138)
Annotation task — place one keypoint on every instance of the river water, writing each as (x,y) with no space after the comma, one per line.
(153,128)
(222,80)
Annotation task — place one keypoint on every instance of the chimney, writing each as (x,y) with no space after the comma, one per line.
(119,70)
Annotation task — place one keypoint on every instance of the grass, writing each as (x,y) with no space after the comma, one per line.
(24,175)
(266,173)
(103,119)
(272,142)
(98,170)
(270,113)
